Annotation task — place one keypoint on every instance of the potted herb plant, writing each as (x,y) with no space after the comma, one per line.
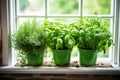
(94,37)
(30,39)
(60,41)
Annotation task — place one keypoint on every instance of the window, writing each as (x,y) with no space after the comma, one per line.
(59,10)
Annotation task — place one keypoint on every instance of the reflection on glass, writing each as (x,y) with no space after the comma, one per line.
(101,6)
(56,7)
(31,7)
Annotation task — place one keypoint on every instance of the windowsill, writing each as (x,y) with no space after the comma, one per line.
(107,68)
(61,70)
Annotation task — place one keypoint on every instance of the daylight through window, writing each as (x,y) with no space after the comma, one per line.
(65,12)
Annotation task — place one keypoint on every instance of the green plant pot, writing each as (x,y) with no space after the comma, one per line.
(35,58)
(61,57)
(88,57)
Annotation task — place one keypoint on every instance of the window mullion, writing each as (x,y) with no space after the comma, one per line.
(66,16)
(81,10)
(46,9)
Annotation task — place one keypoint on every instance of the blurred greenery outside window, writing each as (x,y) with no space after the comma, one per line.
(65,11)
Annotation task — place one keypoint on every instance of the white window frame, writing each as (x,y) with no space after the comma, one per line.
(116,56)
(8,19)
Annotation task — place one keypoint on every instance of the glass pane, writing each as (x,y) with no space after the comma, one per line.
(31,7)
(64,20)
(99,6)
(57,7)
(108,52)
(22,20)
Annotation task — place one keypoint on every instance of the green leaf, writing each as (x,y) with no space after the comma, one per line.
(66,38)
(71,43)
(59,43)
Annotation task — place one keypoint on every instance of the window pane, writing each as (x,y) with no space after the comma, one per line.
(31,7)
(64,20)
(108,52)
(22,20)
(56,7)
(101,6)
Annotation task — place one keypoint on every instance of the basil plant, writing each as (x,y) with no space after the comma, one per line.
(58,35)
(92,34)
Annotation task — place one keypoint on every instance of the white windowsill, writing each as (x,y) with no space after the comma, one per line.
(60,70)
(63,70)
